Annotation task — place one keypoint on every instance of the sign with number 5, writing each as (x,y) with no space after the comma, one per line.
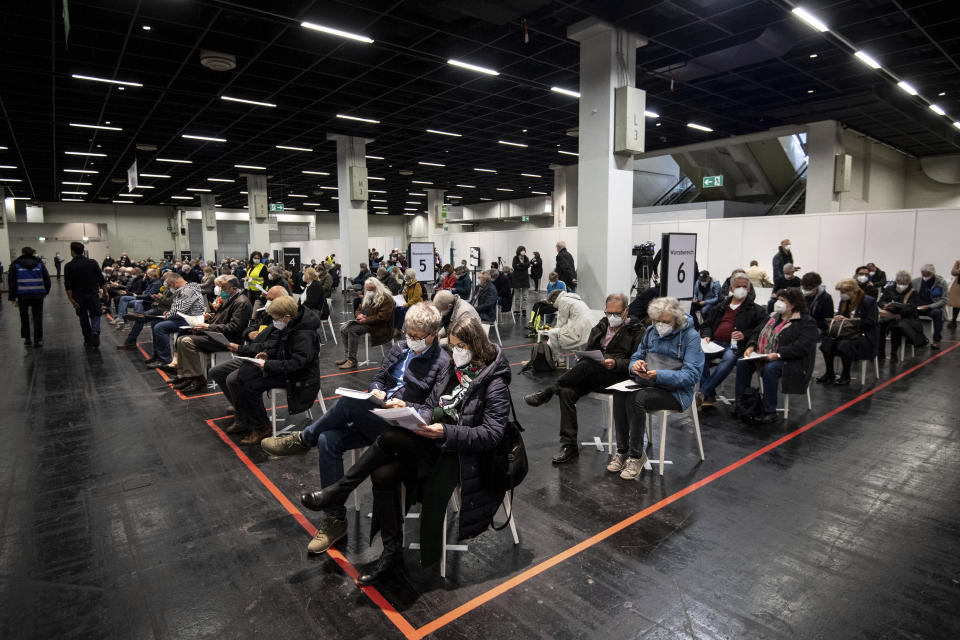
(677,265)
(420,259)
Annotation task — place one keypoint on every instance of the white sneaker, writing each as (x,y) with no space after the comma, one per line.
(633,467)
(616,463)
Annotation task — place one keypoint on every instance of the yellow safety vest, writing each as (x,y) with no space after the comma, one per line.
(254,277)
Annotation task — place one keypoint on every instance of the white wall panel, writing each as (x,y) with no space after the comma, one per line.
(723,252)
(936,240)
(888,249)
(840,248)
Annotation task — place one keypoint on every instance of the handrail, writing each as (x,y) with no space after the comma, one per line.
(680,185)
(790,196)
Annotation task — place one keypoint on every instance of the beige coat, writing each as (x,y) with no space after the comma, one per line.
(573,321)
(953,297)
(758,277)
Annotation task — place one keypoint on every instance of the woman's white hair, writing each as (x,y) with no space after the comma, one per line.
(410,275)
(423,317)
(659,306)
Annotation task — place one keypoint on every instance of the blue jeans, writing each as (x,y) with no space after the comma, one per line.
(125,301)
(89,312)
(347,425)
(770,373)
(161,337)
(937,316)
(710,381)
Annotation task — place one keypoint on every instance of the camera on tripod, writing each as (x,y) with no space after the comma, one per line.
(647,249)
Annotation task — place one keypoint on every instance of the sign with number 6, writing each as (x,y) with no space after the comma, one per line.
(677,258)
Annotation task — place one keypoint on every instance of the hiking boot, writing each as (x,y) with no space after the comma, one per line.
(236,427)
(328,531)
(633,467)
(287,445)
(538,398)
(616,462)
(258,435)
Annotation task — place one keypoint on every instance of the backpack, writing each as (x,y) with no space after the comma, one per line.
(749,404)
(541,358)
(505,467)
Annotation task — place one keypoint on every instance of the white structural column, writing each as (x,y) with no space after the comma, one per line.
(824,143)
(7,216)
(354,236)
(435,219)
(608,59)
(208,226)
(258,208)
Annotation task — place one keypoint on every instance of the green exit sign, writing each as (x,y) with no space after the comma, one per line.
(712,181)
(524,218)
(276,206)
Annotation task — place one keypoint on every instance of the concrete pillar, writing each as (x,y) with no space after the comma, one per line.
(354,236)
(435,220)
(257,209)
(824,143)
(208,226)
(6,217)
(605,180)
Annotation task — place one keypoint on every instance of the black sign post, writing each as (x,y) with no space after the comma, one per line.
(184,256)
(291,259)
(168,255)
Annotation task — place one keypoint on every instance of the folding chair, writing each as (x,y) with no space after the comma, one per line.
(366,347)
(664,414)
(607,399)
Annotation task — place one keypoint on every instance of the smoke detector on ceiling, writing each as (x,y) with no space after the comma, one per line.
(216,61)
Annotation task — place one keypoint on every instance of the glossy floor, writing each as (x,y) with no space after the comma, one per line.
(125,515)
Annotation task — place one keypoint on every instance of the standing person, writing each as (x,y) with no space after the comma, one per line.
(58,263)
(85,283)
(28,283)
(783,256)
(536,270)
(521,281)
(953,296)
(565,269)
(254,275)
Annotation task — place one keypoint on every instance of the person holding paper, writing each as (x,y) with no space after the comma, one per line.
(374,316)
(730,325)
(413,374)
(616,337)
(667,363)
(789,341)
(314,296)
(227,323)
(254,275)
(186,300)
(468,421)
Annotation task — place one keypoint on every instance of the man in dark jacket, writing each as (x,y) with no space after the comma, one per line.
(85,284)
(615,337)
(565,269)
(485,298)
(897,315)
(504,286)
(729,325)
(877,276)
(783,256)
(29,283)
(463,285)
(819,301)
(227,323)
(408,377)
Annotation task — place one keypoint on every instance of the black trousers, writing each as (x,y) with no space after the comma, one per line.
(26,306)
(585,377)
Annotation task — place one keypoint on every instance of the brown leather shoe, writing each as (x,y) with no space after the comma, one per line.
(236,427)
(349,364)
(259,434)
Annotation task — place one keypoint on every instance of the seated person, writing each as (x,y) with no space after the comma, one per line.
(412,294)
(616,337)
(789,342)
(148,292)
(860,343)
(374,316)
(729,324)
(463,286)
(186,300)
(819,302)
(877,276)
(758,277)
(862,276)
(789,279)
(362,276)
(751,292)
(230,320)
(485,298)
(638,306)
(543,311)
(468,421)
(554,283)
(448,278)
(931,299)
(452,308)
(158,306)
(573,324)
(668,380)
(391,283)
(414,374)
(286,353)
(706,293)
(325,279)
(897,310)
(314,297)
(504,284)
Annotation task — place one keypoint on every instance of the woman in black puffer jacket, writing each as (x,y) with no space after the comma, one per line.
(468,421)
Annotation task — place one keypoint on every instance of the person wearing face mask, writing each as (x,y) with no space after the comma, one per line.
(783,256)
(314,297)
(485,298)
(898,317)
(819,302)
(730,325)
(520,278)
(414,374)
(565,268)
(374,316)
(468,420)
(862,276)
(788,278)
(877,276)
(463,286)
(953,296)
(615,337)
(931,299)
(254,275)
(186,300)
(667,363)
(232,315)
(706,293)
(536,270)
(854,338)
(789,342)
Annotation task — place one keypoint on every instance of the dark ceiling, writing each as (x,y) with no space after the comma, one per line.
(737,66)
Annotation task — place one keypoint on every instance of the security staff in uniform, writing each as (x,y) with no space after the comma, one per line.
(254,275)
(84,283)
(29,283)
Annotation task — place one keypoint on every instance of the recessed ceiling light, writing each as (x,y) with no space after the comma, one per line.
(473,67)
(567,153)
(867,60)
(290,148)
(220,180)
(346,117)
(63,199)
(512,144)
(937,110)
(409,209)
(122,201)
(809,90)
(82,184)
(566,92)
(698,127)
(311,204)
(377,200)
(658,124)
(455,197)
(409,214)
(942,93)
(485,198)
(531,175)
(144,186)
(7,166)
(198,189)
(207,138)
(244,101)
(131,195)
(432,164)
(152,175)
(421,182)
(331,188)
(412,202)
(814,55)
(250,166)
(810,19)
(503,189)
(315,173)
(85,153)
(467,186)
(485,170)
(80,171)
(145,27)
(297,195)
(957,125)
(907,87)
(182,197)
(94,126)
(107,80)
(373,157)
(539,193)
(651,114)
(174,161)
(374,178)
(417,195)
(336,32)
(444,133)
(75,193)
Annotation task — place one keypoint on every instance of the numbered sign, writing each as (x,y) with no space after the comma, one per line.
(677,260)
(291,259)
(420,259)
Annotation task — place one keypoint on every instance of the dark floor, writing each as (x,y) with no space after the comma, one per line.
(126,516)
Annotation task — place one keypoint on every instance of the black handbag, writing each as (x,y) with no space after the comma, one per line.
(505,467)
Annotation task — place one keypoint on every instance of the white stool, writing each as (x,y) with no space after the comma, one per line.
(496,327)
(366,346)
(607,399)
(664,413)
(272,393)
(903,349)
(329,322)
(786,403)
(863,369)
(512,317)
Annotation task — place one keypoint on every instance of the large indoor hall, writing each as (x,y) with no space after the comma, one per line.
(437,319)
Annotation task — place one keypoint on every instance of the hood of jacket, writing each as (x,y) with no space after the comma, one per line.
(27,262)
(304,322)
